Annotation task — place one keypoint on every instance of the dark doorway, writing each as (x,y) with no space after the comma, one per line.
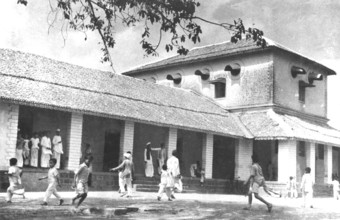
(111,150)
(179,149)
(224,158)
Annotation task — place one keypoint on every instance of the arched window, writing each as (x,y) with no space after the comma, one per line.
(234,69)
(176,78)
(204,73)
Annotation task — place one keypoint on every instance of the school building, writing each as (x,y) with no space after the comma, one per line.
(219,105)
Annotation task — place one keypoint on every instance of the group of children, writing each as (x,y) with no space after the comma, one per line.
(28,149)
(79,184)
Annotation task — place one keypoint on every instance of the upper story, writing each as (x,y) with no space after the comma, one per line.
(242,76)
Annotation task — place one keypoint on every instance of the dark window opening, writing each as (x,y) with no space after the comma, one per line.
(302,93)
(220,89)
(234,69)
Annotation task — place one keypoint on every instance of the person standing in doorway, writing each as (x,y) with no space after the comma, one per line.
(149,171)
(34,150)
(45,150)
(256,181)
(19,150)
(26,151)
(57,147)
(173,168)
(88,153)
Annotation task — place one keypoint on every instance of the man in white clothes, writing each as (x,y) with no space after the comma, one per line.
(173,168)
(45,150)
(57,147)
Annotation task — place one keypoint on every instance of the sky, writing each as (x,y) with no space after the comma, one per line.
(309,27)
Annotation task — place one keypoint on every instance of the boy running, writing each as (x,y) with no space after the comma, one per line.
(165,184)
(256,181)
(80,181)
(53,182)
(14,177)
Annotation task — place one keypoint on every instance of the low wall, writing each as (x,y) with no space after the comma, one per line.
(100,181)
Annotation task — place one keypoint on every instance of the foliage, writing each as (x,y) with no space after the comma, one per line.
(175,17)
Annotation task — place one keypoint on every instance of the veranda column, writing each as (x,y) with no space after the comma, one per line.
(243,152)
(286,160)
(126,138)
(171,141)
(9,116)
(329,164)
(74,141)
(207,155)
(310,159)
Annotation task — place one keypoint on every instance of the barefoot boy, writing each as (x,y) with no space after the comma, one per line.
(80,180)
(256,180)
(53,182)
(165,185)
(14,176)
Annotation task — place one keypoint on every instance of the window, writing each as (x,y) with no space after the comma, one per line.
(302,148)
(219,89)
(321,151)
(233,68)
(302,93)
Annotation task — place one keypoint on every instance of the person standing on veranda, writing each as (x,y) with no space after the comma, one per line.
(57,147)
(161,157)
(19,150)
(34,150)
(45,149)
(148,163)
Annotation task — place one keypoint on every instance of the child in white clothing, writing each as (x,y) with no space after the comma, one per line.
(53,182)
(307,188)
(14,176)
(165,185)
(336,189)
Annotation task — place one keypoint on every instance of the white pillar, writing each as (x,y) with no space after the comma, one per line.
(171,141)
(310,158)
(126,138)
(9,117)
(243,152)
(286,160)
(329,164)
(207,155)
(74,141)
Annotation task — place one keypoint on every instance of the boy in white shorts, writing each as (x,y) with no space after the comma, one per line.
(14,177)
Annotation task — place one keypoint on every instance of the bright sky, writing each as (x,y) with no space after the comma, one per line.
(310,27)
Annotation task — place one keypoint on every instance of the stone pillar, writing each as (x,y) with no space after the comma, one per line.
(243,152)
(9,117)
(171,141)
(328,164)
(126,138)
(74,141)
(207,155)
(310,158)
(286,160)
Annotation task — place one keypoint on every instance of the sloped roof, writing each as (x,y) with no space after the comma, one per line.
(36,80)
(268,125)
(216,51)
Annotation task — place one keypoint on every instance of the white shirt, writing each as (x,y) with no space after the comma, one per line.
(46,145)
(173,166)
(35,142)
(14,179)
(52,175)
(307,183)
(58,145)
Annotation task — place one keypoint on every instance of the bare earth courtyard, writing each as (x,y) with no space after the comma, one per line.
(143,205)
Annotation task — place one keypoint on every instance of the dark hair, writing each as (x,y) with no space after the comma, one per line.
(89,157)
(13,161)
(174,153)
(53,160)
(129,152)
(308,169)
(291,178)
(164,167)
(255,158)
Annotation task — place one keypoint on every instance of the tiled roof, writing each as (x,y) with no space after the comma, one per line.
(215,51)
(268,125)
(36,80)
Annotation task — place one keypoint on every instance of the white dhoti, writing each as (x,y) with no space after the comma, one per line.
(34,157)
(149,168)
(56,155)
(160,163)
(19,156)
(45,158)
